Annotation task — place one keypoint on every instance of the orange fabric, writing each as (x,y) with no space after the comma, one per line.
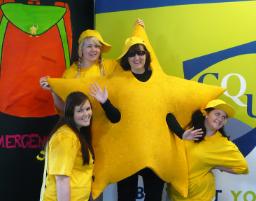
(25,59)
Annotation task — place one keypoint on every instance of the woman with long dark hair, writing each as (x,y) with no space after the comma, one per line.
(69,153)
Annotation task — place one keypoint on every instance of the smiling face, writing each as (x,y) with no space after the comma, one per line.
(83,114)
(91,50)
(137,59)
(215,120)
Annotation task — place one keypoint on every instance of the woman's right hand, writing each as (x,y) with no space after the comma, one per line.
(140,22)
(44,83)
(192,134)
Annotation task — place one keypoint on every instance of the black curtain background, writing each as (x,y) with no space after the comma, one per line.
(20,172)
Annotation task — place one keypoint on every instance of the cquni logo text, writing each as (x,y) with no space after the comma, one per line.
(241,89)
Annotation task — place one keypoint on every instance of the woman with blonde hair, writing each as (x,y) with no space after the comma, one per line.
(90,62)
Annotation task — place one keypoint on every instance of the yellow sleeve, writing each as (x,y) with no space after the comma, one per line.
(228,155)
(70,72)
(63,148)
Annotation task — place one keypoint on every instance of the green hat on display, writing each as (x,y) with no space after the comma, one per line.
(93,33)
(221,105)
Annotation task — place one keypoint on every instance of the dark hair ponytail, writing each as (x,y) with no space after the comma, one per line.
(197,121)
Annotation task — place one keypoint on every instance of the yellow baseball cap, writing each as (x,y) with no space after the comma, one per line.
(221,105)
(93,33)
(130,42)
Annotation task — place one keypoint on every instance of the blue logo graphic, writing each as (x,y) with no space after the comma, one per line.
(192,67)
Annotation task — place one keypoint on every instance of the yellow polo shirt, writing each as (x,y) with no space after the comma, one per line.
(65,158)
(109,66)
(213,151)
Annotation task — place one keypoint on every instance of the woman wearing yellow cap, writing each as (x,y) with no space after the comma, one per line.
(211,151)
(90,63)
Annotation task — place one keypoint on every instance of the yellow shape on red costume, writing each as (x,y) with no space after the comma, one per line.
(141,138)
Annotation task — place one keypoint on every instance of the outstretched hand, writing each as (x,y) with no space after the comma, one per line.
(224,169)
(192,134)
(140,22)
(44,83)
(99,94)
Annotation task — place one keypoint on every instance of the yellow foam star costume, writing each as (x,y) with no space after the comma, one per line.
(141,138)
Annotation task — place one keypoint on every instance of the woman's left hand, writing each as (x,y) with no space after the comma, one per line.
(99,94)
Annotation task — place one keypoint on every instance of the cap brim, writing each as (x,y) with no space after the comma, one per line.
(226,108)
(129,42)
(105,47)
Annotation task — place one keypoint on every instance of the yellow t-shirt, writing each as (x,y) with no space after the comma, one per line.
(213,151)
(93,71)
(65,158)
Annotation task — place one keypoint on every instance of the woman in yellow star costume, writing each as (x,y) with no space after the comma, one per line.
(136,59)
(90,62)
(69,154)
(211,151)
(141,139)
